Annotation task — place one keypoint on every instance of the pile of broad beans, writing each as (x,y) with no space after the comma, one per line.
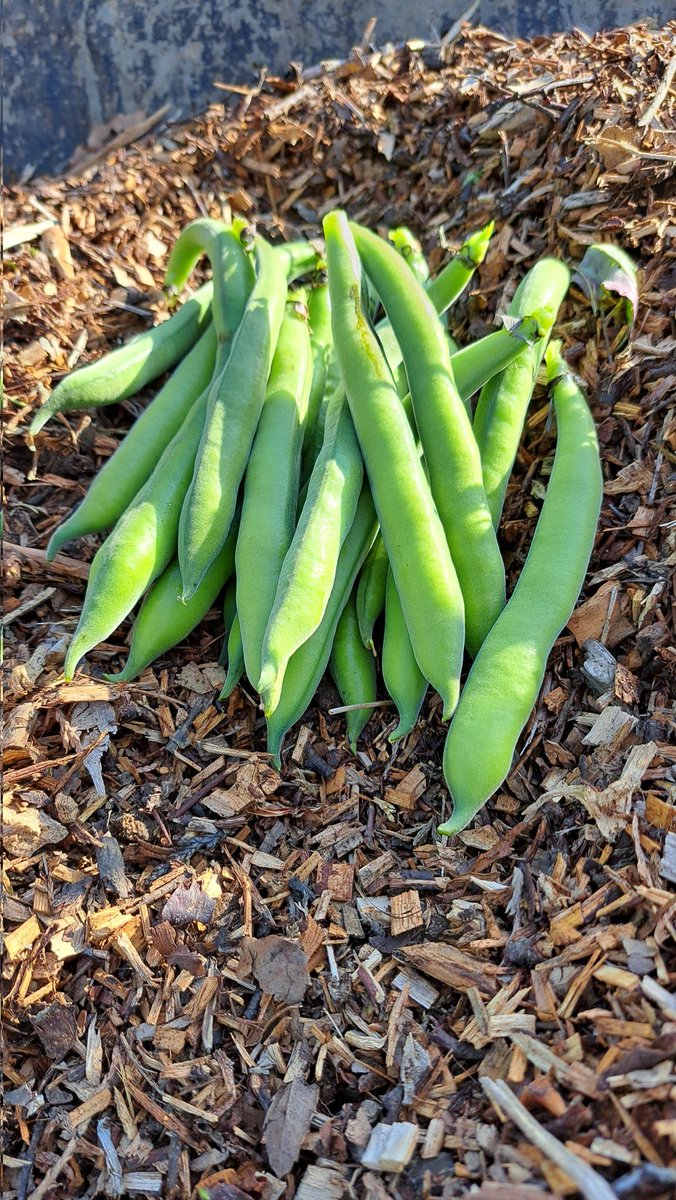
(327,460)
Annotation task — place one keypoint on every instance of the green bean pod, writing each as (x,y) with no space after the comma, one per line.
(507,675)
(451,453)
(229,610)
(371,591)
(412,531)
(407,244)
(403,679)
(235,669)
(319,312)
(141,545)
(309,569)
(130,367)
(268,516)
(163,621)
(231,270)
(353,670)
(123,475)
(308,664)
(235,402)
(502,406)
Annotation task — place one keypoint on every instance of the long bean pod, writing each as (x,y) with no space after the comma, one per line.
(163,621)
(309,569)
(141,545)
(412,531)
(308,664)
(451,453)
(235,402)
(123,475)
(353,669)
(507,675)
(130,367)
(268,516)
(503,403)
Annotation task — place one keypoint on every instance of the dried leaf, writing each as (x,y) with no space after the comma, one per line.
(279,965)
(287,1121)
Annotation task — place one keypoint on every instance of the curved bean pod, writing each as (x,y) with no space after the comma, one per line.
(308,664)
(412,531)
(353,670)
(309,569)
(371,591)
(268,516)
(130,367)
(163,621)
(235,659)
(124,473)
(235,402)
(503,403)
(507,675)
(402,676)
(451,453)
(231,268)
(141,545)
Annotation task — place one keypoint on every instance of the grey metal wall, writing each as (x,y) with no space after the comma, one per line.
(73,64)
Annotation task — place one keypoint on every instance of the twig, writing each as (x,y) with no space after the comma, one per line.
(587,1179)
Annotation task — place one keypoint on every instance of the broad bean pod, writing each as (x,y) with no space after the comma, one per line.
(235,401)
(163,621)
(309,568)
(130,367)
(451,453)
(507,675)
(141,545)
(124,473)
(308,664)
(412,531)
(271,480)
(353,670)
(402,676)
(502,406)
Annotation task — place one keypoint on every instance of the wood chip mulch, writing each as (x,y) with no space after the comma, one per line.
(224,983)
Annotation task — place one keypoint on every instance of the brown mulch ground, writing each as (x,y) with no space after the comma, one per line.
(275,986)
